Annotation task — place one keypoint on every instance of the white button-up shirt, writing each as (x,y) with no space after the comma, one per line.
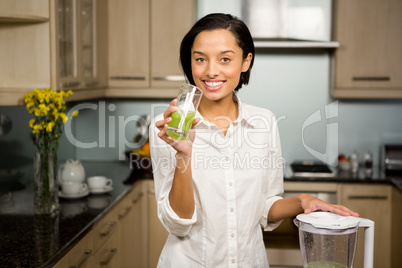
(236,179)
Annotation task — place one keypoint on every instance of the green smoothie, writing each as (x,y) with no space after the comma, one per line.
(175,130)
(325,265)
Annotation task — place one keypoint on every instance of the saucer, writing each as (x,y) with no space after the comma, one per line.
(75,196)
(101,191)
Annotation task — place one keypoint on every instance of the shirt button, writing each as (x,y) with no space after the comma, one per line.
(230,184)
(233,260)
(232,209)
(232,235)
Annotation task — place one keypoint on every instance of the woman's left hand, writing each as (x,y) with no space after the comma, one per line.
(310,203)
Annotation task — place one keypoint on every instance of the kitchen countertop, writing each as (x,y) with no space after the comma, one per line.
(27,240)
(40,241)
(376,177)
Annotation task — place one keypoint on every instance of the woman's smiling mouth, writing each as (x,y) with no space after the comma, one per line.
(213,85)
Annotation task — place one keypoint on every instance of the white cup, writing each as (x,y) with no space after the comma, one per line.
(99,183)
(73,188)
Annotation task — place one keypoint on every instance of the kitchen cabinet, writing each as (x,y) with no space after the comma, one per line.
(368,63)
(144,41)
(381,204)
(132,219)
(157,233)
(129,235)
(24,51)
(98,248)
(79,256)
(40,49)
(81,47)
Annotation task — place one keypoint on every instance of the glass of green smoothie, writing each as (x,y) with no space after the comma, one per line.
(187,103)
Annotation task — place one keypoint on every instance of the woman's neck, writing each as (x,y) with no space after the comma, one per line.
(221,113)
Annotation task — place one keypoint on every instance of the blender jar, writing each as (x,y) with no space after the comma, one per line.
(328,240)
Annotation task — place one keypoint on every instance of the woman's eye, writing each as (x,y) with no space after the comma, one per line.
(200,60)
(225,60)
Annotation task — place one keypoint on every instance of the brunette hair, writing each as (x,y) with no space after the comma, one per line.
(216,21)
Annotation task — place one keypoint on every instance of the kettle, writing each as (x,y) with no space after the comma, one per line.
(71,170)
(329,240)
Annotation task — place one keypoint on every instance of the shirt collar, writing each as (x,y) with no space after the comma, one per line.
(243,115)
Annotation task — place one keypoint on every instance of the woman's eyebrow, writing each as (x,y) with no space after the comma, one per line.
(222,52)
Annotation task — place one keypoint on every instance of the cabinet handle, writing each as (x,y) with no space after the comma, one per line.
(377,197)
(126,211)
(109,258)
(173,78)
(70,84)
(91,84)
(87,254)
(137,198)
(371,78)
(108,230)
(117,77)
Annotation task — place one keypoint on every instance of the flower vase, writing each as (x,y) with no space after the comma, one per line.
(46,200)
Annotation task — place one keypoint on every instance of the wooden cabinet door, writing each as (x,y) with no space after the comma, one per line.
(81,255)
(107,255)
(129,43)
(372,202)
(368,62)
(132,250)
(171,20)
(157,233)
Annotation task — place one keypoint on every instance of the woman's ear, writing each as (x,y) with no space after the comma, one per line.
(246,62)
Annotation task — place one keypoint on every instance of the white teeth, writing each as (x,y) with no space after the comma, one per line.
(213,84)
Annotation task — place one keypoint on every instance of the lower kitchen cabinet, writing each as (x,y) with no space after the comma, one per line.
(130,235)
(381,204)
(79,256)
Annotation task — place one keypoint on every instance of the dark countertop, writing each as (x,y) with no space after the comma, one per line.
(376,177)
(40,241)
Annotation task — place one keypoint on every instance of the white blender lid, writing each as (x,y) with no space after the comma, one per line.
(329,220)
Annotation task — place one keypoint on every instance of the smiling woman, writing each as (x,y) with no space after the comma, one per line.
(214,208)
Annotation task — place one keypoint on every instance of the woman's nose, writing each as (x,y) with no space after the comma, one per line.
(212,70)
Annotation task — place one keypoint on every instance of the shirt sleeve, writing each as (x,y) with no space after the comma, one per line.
(275,178)
(163,167)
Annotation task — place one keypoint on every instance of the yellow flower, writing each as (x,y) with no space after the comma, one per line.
(37,129)
(50,126)
(63,117)
(31,123)
(75,113)
(48,107)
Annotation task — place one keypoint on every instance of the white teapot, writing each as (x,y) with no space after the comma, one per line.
(71,170)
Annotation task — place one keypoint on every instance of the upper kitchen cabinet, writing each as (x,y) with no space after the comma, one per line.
(24,50)
(81,64)
(144,42)
(368,63)
(58,44)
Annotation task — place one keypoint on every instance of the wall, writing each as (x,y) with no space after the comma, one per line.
(293,85)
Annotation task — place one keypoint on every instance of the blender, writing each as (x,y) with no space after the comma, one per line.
(328,240)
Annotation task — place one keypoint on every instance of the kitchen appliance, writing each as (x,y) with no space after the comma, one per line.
(392,159)
(312,169)
(286,23)
(391,163)
(329,240)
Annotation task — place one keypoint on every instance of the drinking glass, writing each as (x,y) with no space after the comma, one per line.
(187,102)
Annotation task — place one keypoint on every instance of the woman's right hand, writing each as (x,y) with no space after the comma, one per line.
(183,147)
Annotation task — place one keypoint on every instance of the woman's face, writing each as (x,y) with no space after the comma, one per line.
(216,63)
